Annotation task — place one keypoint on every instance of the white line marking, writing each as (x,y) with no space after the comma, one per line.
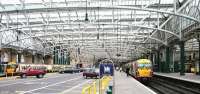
(141,85)
(72,88)
(27,81)
(51,85)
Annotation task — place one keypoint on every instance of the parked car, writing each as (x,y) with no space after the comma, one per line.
(69,70)
(39,73)
(84,69)
(90,73)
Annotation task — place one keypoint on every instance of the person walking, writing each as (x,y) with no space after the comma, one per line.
(127,71)
(120,69)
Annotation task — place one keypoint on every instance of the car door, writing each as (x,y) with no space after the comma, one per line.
(35,72)
(68,70)
(29,72)
(90,73)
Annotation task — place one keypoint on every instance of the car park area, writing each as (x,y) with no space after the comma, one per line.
(51,83)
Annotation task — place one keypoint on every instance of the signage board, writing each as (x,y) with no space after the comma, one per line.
(106,69)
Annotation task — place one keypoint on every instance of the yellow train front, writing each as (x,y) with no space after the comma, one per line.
(142,69)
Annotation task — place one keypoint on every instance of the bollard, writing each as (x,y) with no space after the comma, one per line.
(110,88)
(109,91)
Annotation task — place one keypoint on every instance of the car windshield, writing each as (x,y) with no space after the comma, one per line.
(89,70)
(97,70)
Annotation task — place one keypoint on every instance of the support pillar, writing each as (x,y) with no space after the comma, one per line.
(158,61)
(62,57)
(151,57)
(155,67)
(199,57)
(59,56)
(33,58)
(182,57)
(18,57)
(54,55)
(68,59)
(166,65)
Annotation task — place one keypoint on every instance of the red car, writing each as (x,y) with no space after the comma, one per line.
(32,72)
(90,73)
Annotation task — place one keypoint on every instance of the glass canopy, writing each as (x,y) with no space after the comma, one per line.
(113,26)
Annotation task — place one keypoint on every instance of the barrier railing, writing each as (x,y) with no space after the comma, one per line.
(98,86)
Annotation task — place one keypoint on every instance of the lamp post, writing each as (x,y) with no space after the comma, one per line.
(198,39)
(19,54)
(86,14)
(33,56)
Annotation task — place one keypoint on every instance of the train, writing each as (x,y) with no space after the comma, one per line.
(140,69)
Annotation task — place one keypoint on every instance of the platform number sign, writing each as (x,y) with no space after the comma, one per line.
(106,69)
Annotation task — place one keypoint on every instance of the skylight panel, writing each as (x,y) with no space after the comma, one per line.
(10,2)
(33,1)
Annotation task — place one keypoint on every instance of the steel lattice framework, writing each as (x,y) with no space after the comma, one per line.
(126,27)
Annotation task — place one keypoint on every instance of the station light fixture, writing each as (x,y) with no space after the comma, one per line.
(118,55)
(198,37)
(86,14)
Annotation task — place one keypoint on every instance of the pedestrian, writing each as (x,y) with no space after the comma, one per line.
(127,71)
(120,69)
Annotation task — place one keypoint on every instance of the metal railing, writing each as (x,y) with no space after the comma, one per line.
(97,86)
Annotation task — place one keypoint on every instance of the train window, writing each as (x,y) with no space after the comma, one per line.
(141,65)
(144,65)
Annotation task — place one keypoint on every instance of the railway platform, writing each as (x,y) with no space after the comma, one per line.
(189,77)
(128,85)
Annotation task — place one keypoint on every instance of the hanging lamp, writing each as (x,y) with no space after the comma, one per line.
(86,14)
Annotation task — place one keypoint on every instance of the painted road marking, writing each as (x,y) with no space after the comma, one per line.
(72,88)
(12,79)
(51,85)
(27,81)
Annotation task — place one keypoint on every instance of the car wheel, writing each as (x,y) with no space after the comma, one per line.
(40,76)
(61,72)
(23,76)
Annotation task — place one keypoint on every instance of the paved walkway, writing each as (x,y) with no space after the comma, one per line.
(191,77)
(128,85)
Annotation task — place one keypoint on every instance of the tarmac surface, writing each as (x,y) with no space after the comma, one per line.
(53,83)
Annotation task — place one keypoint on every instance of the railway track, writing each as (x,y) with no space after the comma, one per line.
(163,85)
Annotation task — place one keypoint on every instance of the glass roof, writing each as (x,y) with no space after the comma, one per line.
(115,24)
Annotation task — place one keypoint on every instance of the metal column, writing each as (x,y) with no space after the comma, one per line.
(158,61)
(33,58)
(61,57)
(62,54)
(166,68)
(18,57)
(199,57)
(54,55)
(182,58)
